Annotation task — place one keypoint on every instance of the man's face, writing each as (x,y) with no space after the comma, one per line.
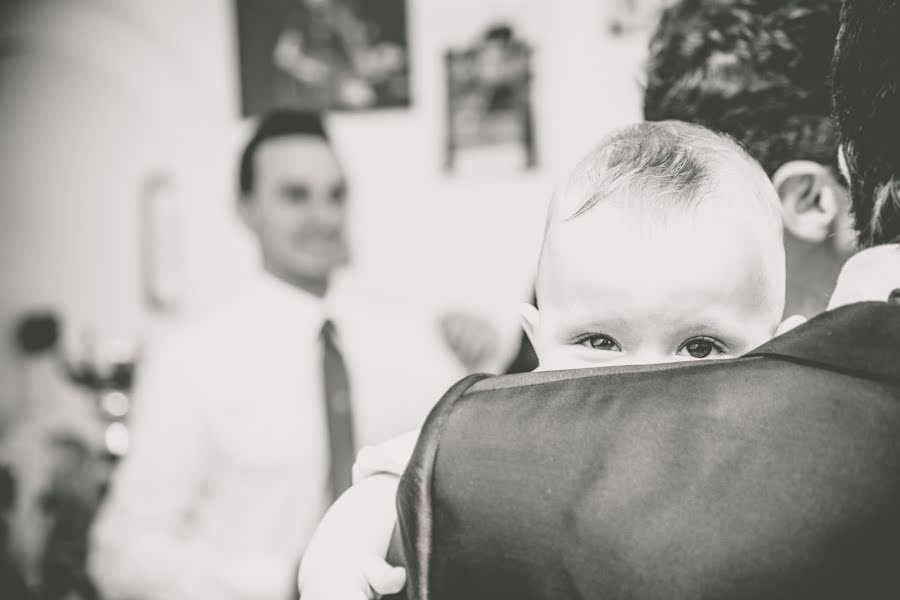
(297,208)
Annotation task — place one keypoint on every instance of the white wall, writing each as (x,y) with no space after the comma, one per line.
(139,86)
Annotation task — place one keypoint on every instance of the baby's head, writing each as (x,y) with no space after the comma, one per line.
(664,244)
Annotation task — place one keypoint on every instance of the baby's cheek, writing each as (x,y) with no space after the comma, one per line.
(548,357)
(563,358)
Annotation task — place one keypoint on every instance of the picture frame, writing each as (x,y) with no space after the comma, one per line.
(322,54)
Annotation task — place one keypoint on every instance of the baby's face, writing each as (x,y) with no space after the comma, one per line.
(618,287)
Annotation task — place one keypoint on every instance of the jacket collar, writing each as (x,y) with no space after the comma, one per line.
(859,339)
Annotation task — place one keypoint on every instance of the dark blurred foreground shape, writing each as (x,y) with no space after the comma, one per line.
(768,476)
(11,583)
(54,474)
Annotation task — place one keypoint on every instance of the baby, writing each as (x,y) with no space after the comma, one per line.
(664,244)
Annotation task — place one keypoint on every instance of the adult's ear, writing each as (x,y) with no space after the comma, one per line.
(529,317)
(809,201)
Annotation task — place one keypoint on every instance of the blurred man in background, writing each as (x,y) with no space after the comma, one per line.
(758,71)
(247,424)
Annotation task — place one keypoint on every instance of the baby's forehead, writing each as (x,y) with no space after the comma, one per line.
(634,231)
(621,261)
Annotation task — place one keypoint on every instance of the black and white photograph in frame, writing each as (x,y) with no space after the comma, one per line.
(322,54)
(489,111)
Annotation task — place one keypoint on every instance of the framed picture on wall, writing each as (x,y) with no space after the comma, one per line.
(322,54)
(160,243)
(489,111)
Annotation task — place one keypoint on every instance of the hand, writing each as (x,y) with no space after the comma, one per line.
(472,339)
(375,579)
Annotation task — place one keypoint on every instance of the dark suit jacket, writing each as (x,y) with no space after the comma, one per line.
(776,475)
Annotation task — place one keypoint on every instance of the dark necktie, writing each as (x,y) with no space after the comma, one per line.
(342,449)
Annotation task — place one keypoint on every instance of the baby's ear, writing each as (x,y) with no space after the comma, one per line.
(529,317)
(789,323)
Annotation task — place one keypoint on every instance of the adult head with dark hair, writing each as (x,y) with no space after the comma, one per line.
(866,85)
(293,198)
(758,71)
(866,90)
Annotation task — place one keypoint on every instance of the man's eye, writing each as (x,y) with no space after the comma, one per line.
(339,195)
(598,341)
(295,194)
(702,347)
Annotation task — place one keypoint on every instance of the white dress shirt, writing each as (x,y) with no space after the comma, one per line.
(227,474)
(868,275)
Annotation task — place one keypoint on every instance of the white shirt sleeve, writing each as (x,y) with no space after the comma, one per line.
(137,547)
(390,457)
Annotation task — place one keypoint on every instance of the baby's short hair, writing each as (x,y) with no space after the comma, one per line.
(678,162)
(672,168)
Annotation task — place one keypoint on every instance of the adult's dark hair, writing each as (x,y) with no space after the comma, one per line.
(866,84)
(754,69)
(278,123)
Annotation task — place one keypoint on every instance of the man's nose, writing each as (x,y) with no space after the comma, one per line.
(328,213)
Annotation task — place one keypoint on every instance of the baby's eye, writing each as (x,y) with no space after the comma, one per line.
(598,341)
(702,347)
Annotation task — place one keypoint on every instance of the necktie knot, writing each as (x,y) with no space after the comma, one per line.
(328,330)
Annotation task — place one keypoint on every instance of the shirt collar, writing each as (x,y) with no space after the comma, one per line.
(869,275)
(284,301)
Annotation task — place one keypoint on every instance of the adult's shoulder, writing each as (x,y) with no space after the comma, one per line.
(770,475)
(860,339)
